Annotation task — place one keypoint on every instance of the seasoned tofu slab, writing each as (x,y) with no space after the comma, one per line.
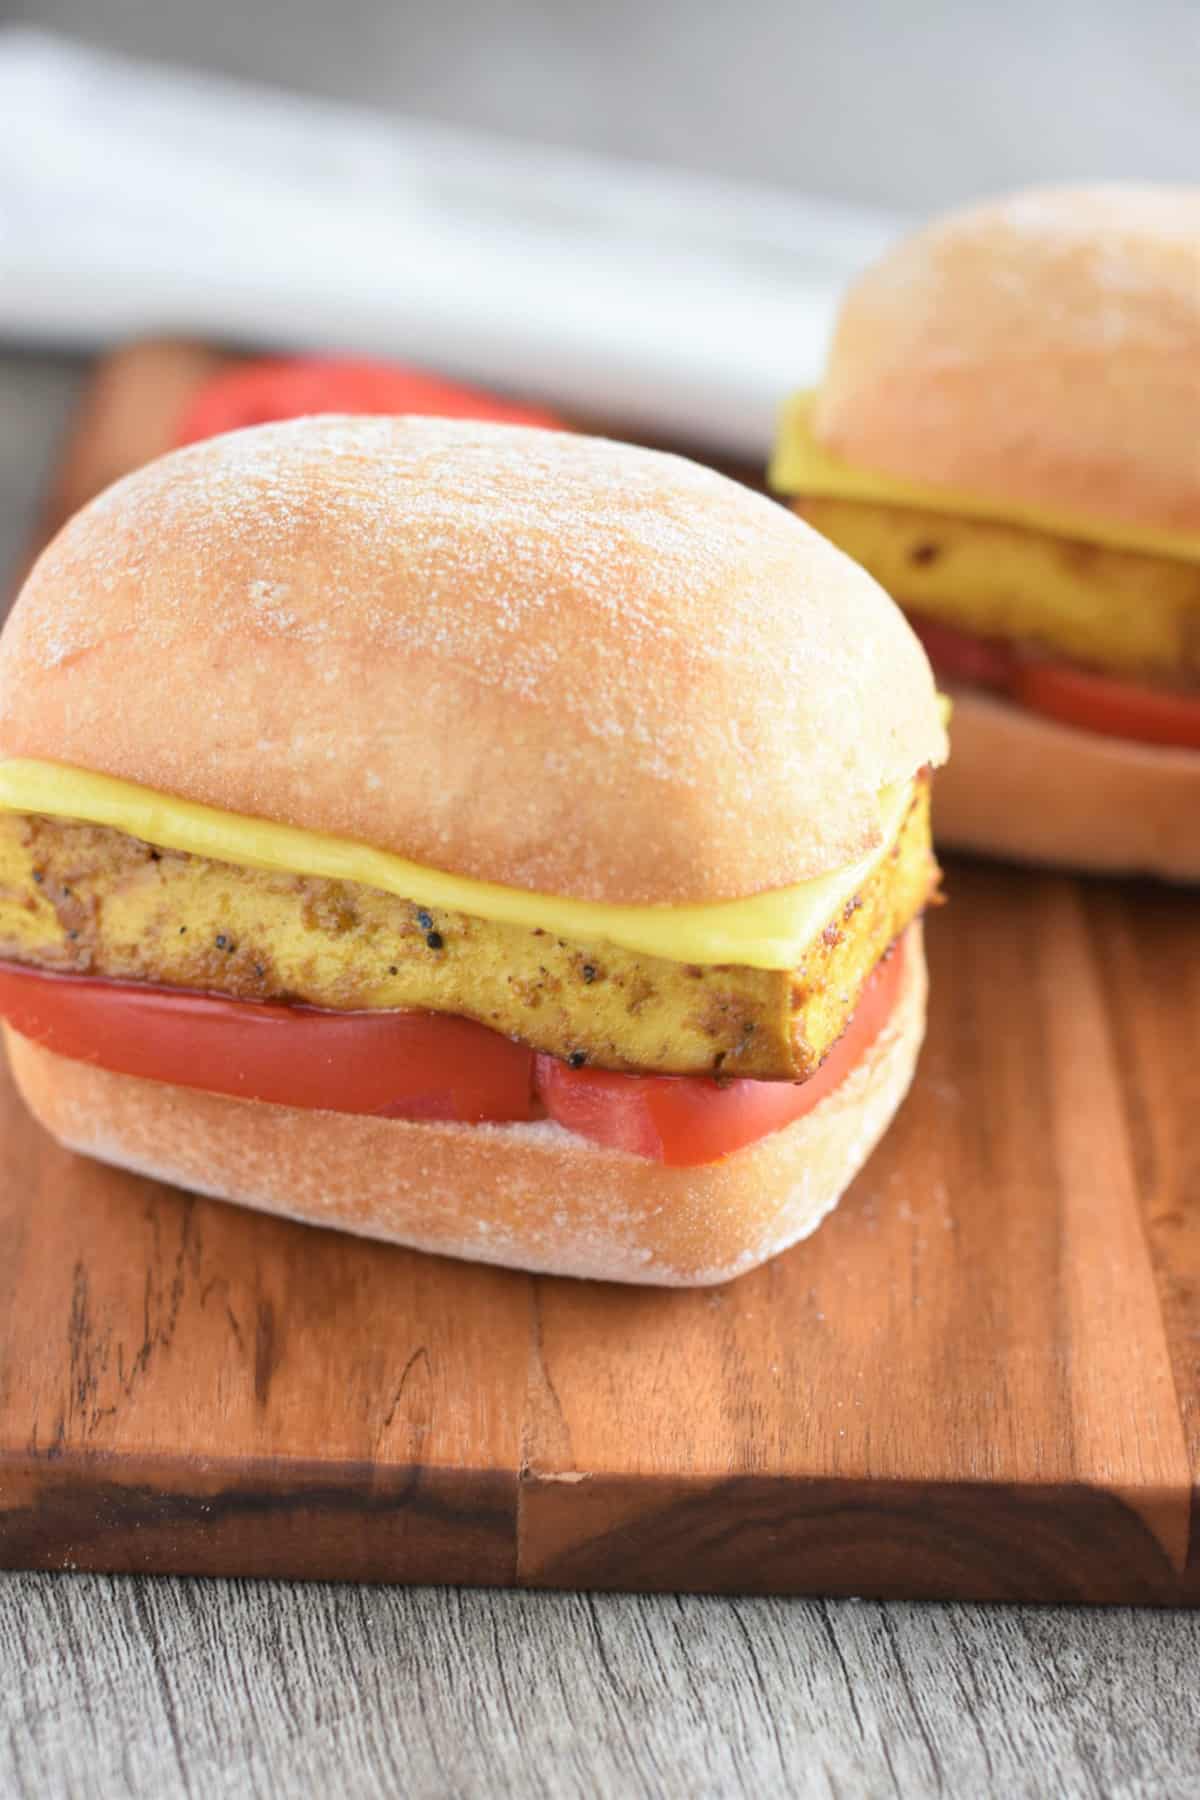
(85,898)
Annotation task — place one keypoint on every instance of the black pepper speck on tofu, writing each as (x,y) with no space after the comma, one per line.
(84,898)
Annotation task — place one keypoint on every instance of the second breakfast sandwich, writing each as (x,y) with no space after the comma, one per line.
(1008,437)
(502,842)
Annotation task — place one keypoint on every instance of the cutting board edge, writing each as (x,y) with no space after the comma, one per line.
(1018,1541)
(413,1524)
(295,1517)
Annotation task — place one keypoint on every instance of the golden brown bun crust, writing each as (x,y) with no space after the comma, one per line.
(1043,348)
(532,657)
(527,1195)
(1025,787)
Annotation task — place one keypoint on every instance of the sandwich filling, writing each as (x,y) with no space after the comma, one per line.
(1092,622)
(258,953)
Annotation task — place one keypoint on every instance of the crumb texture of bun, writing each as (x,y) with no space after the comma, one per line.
(526,1196)
(1032,790)
(535,658)
(1043,349)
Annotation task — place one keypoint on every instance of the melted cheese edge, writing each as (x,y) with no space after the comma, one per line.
(800,465)
(764,931)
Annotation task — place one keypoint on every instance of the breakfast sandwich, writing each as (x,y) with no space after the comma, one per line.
(501,842)
(1007,436)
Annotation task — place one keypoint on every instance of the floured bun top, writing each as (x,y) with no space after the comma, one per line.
(535,658)
(1043,348)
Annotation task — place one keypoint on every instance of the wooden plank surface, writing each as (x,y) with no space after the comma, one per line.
(177,1690)
(979,1378)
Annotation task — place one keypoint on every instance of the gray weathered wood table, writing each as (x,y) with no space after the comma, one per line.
(163,1688)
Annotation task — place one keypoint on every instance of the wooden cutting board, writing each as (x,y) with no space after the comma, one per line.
(981,1378)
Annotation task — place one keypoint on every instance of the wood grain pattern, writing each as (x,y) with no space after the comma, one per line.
(182,1690)
(980,1379)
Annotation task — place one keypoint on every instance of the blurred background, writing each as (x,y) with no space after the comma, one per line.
(640,212)
(905,104)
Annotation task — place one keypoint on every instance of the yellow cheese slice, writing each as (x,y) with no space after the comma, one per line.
(800,465)
(765,931)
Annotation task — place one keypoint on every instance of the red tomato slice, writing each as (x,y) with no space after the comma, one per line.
(961,656)
(1100,703)
(683,1120)
(414,1065)
(289,388)
(401,1064)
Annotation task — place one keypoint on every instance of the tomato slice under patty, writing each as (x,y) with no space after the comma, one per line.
(1116,708)
(256,393)
(961,656)
(401,1064)
(1105,704)
(687,1119)
(413,1065)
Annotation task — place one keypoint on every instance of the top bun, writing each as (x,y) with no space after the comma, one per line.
(535,658)
(1043,349)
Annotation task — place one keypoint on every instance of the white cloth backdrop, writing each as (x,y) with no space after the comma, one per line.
(134,198)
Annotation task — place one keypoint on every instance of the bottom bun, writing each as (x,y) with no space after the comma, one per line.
(530,1196)
(1025,787)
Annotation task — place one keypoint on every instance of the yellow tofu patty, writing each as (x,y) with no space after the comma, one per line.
(89,899)
(1128,612)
